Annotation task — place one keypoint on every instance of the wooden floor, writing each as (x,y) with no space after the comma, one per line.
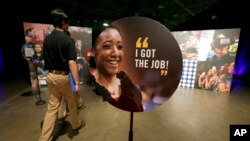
(189,115)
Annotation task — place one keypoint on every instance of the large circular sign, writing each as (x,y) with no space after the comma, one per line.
(151,58)
(139,64)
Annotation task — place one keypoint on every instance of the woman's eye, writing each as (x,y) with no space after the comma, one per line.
(106,46)
(120,47)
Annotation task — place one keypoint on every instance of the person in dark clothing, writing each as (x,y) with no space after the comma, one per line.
(112,84)
(221,57)
(60,59)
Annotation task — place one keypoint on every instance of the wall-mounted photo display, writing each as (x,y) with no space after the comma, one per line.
(35,33)
(208,58)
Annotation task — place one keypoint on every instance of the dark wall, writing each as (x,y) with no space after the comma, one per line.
(242,64)
(222,15)
(12,39)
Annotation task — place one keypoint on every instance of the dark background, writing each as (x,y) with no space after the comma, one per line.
(176,15)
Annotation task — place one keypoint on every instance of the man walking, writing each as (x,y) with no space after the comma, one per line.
(60,60)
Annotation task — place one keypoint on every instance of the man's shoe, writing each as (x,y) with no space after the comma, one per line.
(81,125)
(75,132)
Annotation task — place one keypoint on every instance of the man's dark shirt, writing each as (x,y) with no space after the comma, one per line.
(58,48)
(219,61)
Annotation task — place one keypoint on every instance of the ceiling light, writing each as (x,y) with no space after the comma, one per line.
(105,24)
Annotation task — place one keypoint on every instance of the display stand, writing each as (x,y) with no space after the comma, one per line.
(40,101)
(130,138)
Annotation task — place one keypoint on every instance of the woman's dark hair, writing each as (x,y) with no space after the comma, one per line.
(92,63)
(58,16)
(95,33)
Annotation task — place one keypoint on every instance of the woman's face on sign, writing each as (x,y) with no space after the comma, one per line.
(108,51)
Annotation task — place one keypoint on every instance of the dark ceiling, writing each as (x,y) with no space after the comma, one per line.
(90,13)
(174,14)
(223,14)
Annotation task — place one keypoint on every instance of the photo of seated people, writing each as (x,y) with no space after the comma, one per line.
(83,66)
(189,44)
(32,52)
(82,38)
(216,72)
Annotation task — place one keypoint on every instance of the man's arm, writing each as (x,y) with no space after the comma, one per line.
(74,72)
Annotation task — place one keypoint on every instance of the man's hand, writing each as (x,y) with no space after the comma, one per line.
(77,86)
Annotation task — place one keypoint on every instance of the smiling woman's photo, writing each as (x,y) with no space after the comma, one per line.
(113,84)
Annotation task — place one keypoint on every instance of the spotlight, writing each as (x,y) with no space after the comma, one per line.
(105,24)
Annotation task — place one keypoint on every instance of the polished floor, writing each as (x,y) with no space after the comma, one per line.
(189,115)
